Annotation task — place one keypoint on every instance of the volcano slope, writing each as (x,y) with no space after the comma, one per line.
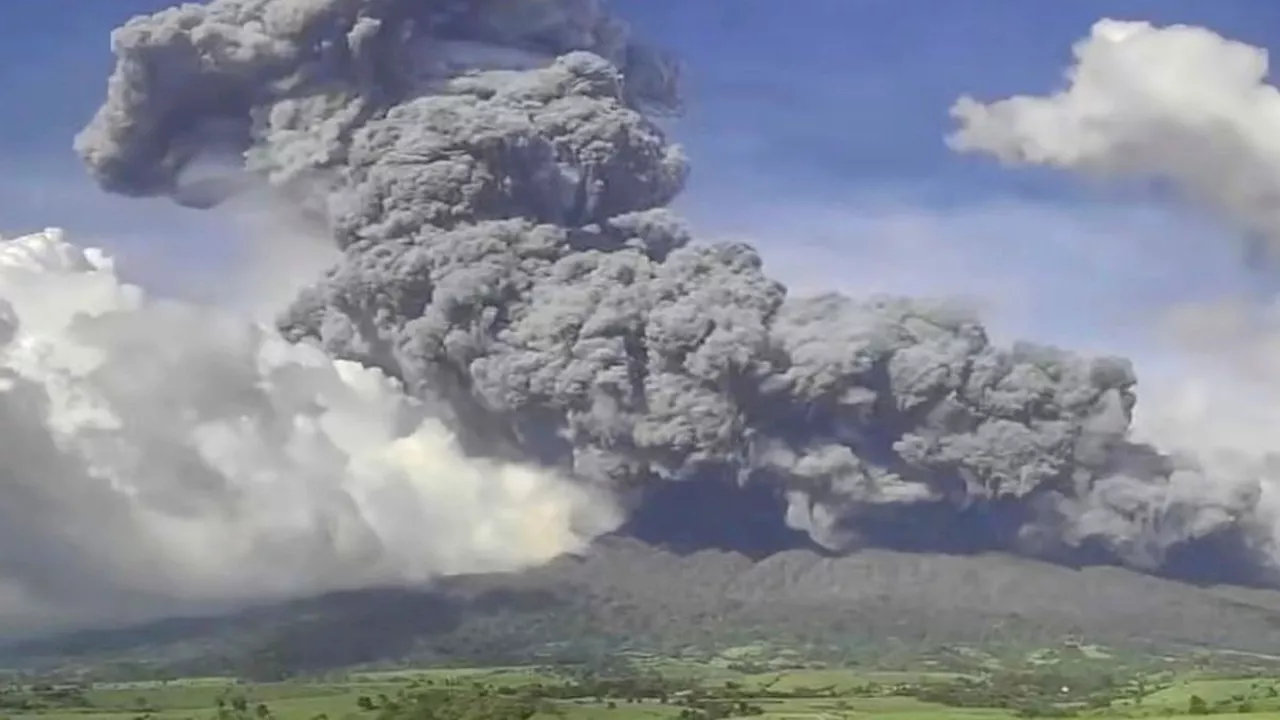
(805,468)
(879,608)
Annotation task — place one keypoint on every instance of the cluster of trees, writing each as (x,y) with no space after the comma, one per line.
(454,700)
(1030,694)
(44,696)
(238,707)
(1054,695)
(1241,702)
(451,704)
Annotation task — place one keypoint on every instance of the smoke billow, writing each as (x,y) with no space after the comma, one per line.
(493,177)
(163,457)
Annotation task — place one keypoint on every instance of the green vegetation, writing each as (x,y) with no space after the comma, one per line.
(645,687)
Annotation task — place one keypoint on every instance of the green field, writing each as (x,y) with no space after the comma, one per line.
(684,690)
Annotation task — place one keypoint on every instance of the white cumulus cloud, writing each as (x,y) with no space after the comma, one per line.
(163,457)
(1179,106)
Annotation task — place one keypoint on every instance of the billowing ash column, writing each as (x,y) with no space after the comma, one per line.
(491,173)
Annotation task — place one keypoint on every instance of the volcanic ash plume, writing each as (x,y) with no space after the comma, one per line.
(497,187)
(165,458)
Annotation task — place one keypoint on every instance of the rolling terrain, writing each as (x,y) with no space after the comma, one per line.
(877,608)
(650,687)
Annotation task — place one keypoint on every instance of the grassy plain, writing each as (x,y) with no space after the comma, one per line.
(793,694)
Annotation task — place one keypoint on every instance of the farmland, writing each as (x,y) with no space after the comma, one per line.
(652,689)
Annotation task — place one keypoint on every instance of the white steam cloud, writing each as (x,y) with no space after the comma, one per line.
(1178,106)
(163,457)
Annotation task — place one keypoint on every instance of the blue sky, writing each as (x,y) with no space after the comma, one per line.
(816,132)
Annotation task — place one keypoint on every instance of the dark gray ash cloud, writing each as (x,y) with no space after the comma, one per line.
(494,177)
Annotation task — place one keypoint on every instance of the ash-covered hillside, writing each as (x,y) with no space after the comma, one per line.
(876,607)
